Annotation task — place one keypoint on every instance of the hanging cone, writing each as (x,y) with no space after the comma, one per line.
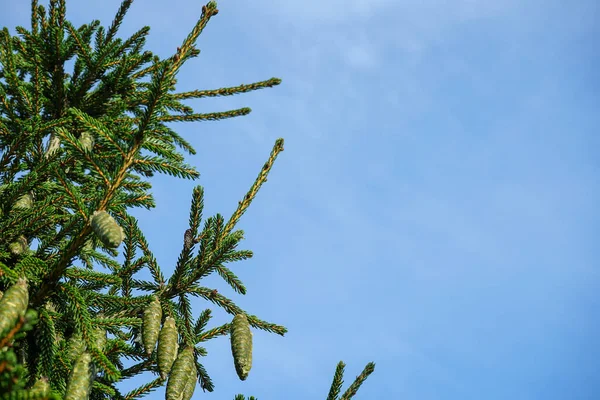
(241,345)
(182,369)
(107,229)
(151,325)
(167,347)
(80,381)
(13,304)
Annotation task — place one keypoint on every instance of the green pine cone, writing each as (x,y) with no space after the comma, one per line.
(24,202)
(190,385)
(53,145)
(167,347)
(75,347)
(100,337)
(41,387)
(87,141)
(13,304)
(182,369)
(107,229)
(80,381)
(19,246)
(151,325)
(88,246)
(241,345)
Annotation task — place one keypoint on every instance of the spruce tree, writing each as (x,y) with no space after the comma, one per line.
(77,150)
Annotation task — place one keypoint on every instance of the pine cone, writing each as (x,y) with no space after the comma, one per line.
(167,347)
(182,369)
(107,229)
(188,239)
(190,385)
(13,304)
(24,202)
(79,384)
(88,245)
(241,345)
(41,387)
(87,141)
(100,337)
(20,246)
(75,347)
(53,145)
(151,325)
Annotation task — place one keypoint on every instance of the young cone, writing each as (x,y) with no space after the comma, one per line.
(100,337)
(190,385)
(19,246)
(107,229)
(167,347)
(53,145)
(87,141)
(13,304)
(180,374)
(75,347)
(241,345)
(151,327)
(41,387)
(79,384)
(24,202)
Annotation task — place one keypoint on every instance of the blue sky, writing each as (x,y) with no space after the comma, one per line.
(436,206)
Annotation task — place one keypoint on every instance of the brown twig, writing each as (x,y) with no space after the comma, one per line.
(11,334)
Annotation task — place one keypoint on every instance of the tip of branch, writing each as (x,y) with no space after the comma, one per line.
(279,144)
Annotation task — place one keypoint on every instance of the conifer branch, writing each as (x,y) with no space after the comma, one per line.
(336,385)
(8,274)
(46,342)
(145,389)
(204,267)
(351,391)
(51,279)
(185,310)
(228,91)
(82,45)
(205,381)
(216,116)
(213,333)
(229,306)
(78,308)
(137,369)
(231,279)
(114,27)
(262,178)
(92,276)
(9,336)
(266,326)
(147,163)
(111,371)
(186,49)
(34,18)
(105,389)
(202,321)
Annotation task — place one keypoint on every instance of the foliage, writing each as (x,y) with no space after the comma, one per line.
(76,152)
